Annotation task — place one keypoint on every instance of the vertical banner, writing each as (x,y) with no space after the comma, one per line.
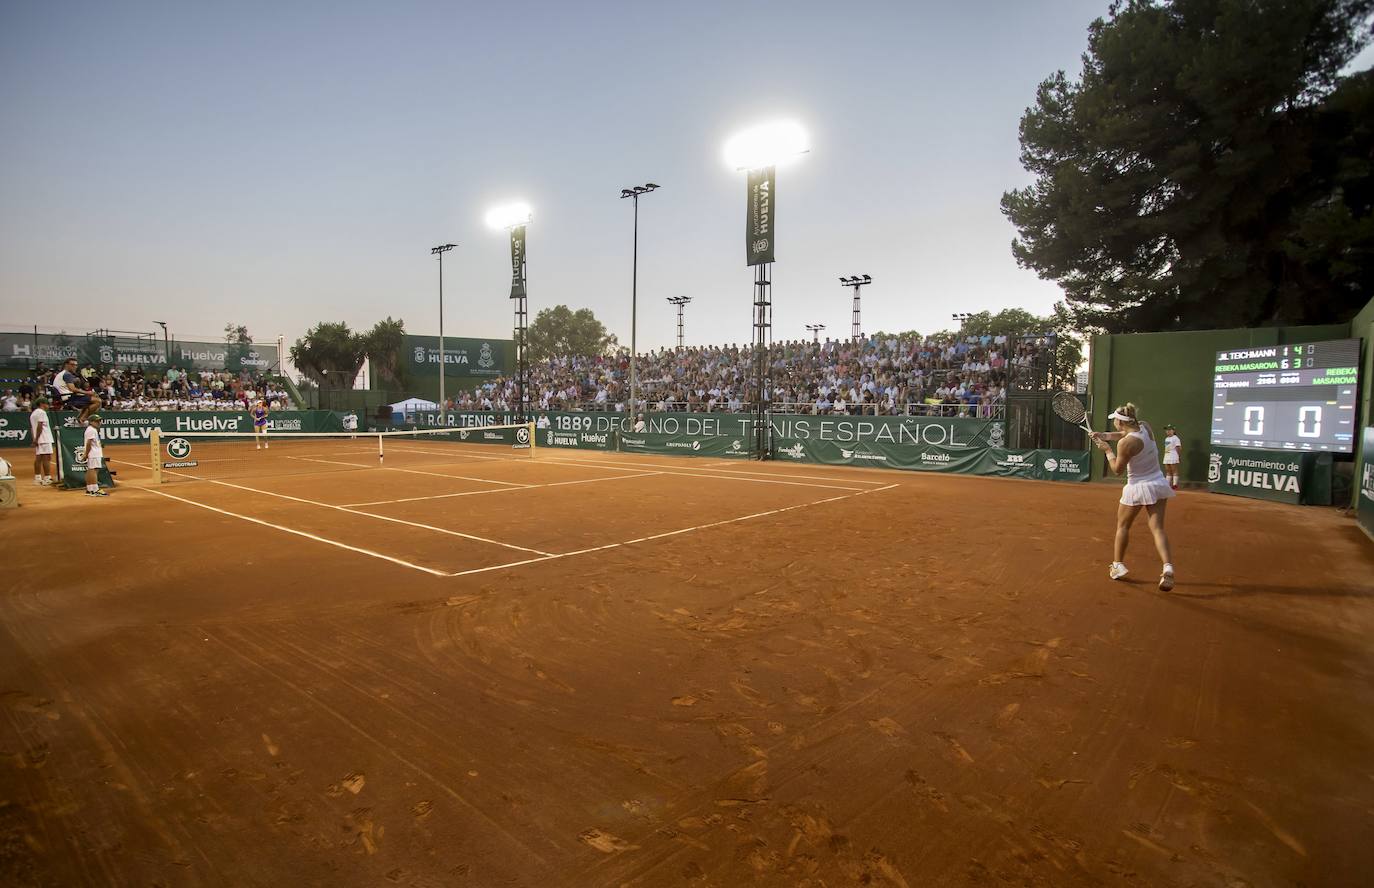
(517,262)
(758,228)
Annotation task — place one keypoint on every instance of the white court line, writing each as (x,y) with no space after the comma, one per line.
(721,466)
(658,536)
(335,462)
(415,499)
(311,536)
(771,480)
(457,533)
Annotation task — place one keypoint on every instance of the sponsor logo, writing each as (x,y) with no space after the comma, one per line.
(522,436)
(1214,469)
(696,445)
(633,442)
(1051,464)
(795,451)
(211,357)
(9,434)
(106,354)
(927,456)
(210,424)
(859,454)
(593,438)
(736,446)
(759,246)
(181,464)
(485,359)
(253,359)
(285,425)
(178,448)
(419,354)
(554,439)
(997,435)
(1262,480)
(1367,480)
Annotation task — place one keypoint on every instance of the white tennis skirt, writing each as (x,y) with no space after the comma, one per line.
(1146,492)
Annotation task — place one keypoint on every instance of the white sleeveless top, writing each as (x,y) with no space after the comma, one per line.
(1143,466)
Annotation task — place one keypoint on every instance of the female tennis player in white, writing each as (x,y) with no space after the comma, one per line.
(1146,487)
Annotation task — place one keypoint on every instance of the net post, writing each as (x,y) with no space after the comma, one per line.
(156,439)
(381,452)
(529,426)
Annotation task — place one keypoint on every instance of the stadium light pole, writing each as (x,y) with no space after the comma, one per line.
(815,331)
(679,301)
(439,252)
(513,217)
(961,317)
(633,194)
(758,151)
(856,282)
(166,342)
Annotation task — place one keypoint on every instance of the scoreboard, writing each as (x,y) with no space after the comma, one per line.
(1287,397)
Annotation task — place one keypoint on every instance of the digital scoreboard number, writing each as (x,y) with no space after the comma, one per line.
(1287,397)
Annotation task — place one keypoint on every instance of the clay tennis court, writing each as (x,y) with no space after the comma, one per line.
(596,669)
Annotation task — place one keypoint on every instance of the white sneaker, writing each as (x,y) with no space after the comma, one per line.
(96,493)
(1117,571)
(1166,580)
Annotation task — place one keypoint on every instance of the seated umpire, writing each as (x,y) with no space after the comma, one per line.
(70,391)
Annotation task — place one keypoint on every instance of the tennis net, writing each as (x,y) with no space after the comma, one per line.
(201,456)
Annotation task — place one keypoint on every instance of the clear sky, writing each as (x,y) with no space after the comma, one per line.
(277,164)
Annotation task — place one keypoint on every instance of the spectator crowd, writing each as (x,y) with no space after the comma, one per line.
(134,389)
(943,376)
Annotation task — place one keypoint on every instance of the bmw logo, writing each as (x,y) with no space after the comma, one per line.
(178,448)
(522,436)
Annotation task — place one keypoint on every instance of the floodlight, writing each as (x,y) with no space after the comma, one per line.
(765,145)
(511,215)
(867,279)
(650,185)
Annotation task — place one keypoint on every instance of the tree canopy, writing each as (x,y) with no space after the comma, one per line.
(383,345)
(330,355)
(1212,167)
(238,343)
(562,331)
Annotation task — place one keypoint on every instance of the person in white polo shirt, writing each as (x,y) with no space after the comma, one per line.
(41,434)
(94,456)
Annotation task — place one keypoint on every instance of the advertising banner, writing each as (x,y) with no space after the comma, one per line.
(758,226)
(686,445)
(72,443)
(462,357)
(31,349)
(1364,507)
(517,262)
(137,428)
(944,431)
(1259,474)
(14,429)
(1039,465)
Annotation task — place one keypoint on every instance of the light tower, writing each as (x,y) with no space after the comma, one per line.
(633,194)
(439,252)
(815,331)
(856,282)
(679,301)
(514,217)
(757,151)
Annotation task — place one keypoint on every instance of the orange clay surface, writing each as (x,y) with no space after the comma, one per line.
(590,669)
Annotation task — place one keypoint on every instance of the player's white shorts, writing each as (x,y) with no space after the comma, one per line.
(1170,461)
(43,449)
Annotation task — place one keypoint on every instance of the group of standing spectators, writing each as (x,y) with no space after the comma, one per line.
(882,376)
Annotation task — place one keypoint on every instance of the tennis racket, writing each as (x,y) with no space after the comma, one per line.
(1070,409)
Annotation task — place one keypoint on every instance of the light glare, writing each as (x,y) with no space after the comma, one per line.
(766,145)
(509,215)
